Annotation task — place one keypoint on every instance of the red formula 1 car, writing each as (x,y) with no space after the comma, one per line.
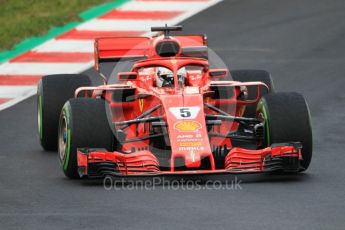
(164,109)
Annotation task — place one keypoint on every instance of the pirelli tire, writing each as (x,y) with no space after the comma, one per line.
(83,124)
(52,93)
(253,75)
(287,119)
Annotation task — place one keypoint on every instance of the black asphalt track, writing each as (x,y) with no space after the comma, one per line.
(302,43)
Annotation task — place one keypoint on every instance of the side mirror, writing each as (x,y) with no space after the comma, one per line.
(218,73)
(128,76)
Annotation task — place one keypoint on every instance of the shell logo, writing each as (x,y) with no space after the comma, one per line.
(187,126)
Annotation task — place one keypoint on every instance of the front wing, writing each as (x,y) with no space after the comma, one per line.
(95,163)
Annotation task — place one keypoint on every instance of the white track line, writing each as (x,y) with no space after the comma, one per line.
(66,45)
(166,5)
(15,91)
(16,100)
(43,68)
(121,25)
(18,93)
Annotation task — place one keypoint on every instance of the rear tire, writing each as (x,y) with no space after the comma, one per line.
(253,75)
(287,119)
(83,124)
(52,93)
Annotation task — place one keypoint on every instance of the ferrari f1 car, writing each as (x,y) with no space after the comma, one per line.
(166,110)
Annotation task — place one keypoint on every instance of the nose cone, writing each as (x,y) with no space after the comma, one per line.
(187,129)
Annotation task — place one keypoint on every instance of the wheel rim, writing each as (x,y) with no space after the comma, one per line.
(262,114)
(63,139)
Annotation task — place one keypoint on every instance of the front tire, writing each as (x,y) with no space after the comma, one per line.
(83,124)
(287,119)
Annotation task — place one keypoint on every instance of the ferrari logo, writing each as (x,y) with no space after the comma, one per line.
(141,104)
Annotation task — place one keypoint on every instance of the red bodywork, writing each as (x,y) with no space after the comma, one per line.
(178,115)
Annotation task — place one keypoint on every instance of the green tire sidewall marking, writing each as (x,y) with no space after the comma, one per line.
(262,108)
(40,131)
(68,148)
(40,110)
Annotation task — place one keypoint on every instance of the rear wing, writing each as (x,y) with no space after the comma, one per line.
(113,49)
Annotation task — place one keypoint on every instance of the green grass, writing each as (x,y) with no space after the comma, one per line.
(20,19)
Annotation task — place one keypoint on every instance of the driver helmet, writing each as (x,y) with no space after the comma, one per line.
(165,77)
